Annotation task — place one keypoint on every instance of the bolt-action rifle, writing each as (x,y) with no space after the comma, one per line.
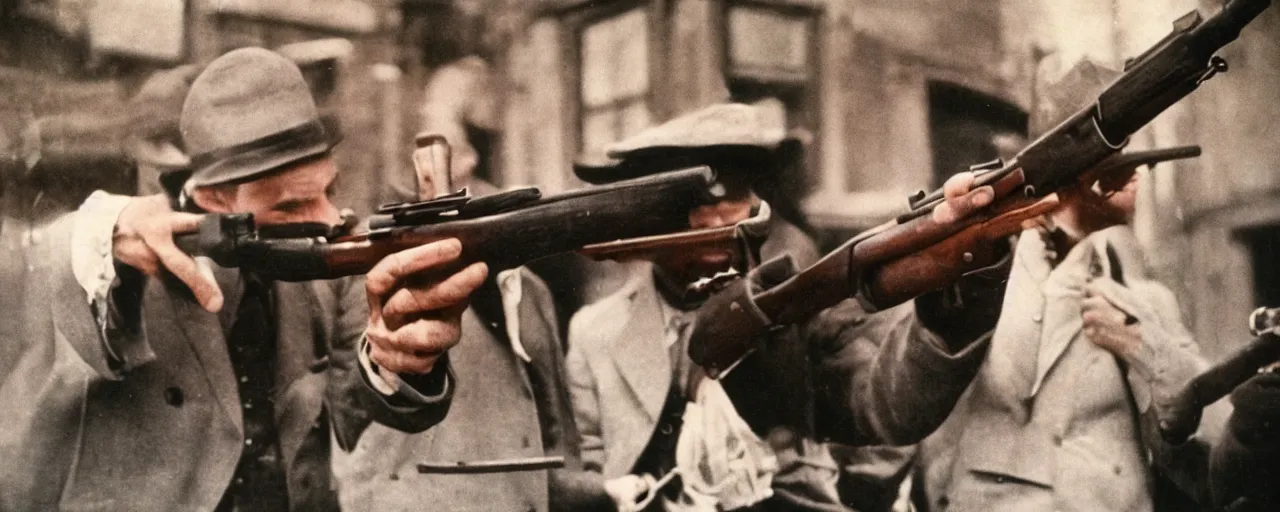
(913,254)
(623,220)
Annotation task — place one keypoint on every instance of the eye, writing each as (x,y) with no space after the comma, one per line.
(288,206)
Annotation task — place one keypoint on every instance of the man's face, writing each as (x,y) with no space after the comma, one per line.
(1112,201)
(689,266)
(298,194)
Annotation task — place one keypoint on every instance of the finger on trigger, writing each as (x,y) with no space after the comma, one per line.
(454,290)
(392,269)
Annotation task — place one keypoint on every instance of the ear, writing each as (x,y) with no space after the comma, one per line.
(216,199)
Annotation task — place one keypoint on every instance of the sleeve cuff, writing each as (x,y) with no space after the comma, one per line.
(407,390)
(91,252)
(1160,367)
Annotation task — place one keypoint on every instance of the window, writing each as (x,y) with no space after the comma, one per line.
(614,79)
(967,128)
(770,44)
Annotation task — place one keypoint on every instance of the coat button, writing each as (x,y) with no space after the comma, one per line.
(173,396)
(1037,318)
(666,429)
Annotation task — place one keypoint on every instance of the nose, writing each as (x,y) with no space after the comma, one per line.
(327,213)
(706,216)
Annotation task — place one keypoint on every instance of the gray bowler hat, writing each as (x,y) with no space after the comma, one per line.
(248,114)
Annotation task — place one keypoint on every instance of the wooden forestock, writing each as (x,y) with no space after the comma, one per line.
(973,248)
(906,257)
(553,225)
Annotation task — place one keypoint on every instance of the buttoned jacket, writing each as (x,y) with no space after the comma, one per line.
(152,421)
(510,403)
(1052,421)
(878,379)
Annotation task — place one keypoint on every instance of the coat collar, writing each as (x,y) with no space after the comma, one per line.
(643,362)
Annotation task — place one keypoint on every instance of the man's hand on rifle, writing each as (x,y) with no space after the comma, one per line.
(962,312)
(143,239)
(416,305)
(961,198)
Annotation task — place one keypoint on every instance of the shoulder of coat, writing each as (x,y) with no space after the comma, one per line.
(597,323)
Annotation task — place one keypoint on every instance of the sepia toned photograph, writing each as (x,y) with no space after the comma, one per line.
(640,255)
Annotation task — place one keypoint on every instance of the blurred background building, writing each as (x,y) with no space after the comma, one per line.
(890,96)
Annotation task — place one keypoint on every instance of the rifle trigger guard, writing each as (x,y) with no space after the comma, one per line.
(1264,321)
(1216,65)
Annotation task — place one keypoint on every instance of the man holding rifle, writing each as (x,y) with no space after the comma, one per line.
(1087,352)
(217,390)
(631,378)
(512,408)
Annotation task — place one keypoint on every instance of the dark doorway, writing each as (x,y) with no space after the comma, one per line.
(966,126)
(1264,256)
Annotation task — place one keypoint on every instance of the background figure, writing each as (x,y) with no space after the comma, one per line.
(1087,352)
(155,143)
(511,403)
(632,343)
(630,373)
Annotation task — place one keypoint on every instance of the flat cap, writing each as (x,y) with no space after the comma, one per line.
(727,131)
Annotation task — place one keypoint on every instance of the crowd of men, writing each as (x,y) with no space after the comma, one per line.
(168,384)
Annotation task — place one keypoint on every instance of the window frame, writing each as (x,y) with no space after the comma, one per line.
(808,88)
(575,21)
(789,8)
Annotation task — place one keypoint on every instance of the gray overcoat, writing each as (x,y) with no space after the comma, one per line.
(159,426)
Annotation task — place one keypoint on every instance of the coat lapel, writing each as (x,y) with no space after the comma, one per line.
(1063,292)
(304,328)
(204,333)
(638,353)
(1017,336)
(302,335)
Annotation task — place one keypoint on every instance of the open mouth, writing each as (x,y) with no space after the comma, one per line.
(714,258)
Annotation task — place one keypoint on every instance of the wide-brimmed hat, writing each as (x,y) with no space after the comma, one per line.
(1059,92)
(249,113)
(737,136)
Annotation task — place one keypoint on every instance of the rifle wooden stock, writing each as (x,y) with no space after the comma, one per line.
(902,259)
(1215,383)
(740,241)
(504,239)
(973,248)
(1183,416)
